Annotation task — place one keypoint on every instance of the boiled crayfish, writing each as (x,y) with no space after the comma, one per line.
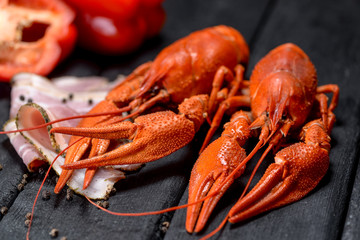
(285,102)
(183,70)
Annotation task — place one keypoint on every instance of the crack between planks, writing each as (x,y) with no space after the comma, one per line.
(351,184)
(164,221)
(11,198)
(9,204)
(269,9)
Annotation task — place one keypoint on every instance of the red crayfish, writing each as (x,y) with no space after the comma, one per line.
(285,103)
(197,64)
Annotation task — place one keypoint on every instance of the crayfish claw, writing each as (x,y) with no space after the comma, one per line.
(153,136)
(263,196)
(296,171)
(99,146)
(156,135)
(209,178)
(125,154)
(73,154)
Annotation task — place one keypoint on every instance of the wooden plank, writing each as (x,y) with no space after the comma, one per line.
(158,185)
(352,222)
(329,33)
(12,166)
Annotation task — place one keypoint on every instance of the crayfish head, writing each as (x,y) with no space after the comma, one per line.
(195,109)
(280,98)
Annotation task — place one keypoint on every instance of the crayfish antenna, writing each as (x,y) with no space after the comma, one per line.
(162,96)
(89,115)
(150,81)
(255,169)
(216,230)
(151,212)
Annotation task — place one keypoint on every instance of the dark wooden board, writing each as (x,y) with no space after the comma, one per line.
(158,185)
(351,226)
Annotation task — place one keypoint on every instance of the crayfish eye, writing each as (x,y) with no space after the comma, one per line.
(267,114)
(283,117)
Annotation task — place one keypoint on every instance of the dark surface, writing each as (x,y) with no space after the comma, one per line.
(328,31)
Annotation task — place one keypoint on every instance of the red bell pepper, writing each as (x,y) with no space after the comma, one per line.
(34,36)
(117,26)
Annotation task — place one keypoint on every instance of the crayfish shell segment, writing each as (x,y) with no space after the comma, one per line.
(195,108)
(240,43)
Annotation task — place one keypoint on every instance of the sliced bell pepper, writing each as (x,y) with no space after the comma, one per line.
(34,36)
(117,26)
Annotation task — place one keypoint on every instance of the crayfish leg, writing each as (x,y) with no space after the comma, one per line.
(330,88)
(125,91)
(225,74)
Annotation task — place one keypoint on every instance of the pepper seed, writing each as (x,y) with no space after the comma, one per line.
(164,226)
(45,195)
(41,171)
(69,194)
(113,191)
(4,210)
(54,233)
(28,215)
(27,222)
(105,204)
(20,186)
